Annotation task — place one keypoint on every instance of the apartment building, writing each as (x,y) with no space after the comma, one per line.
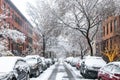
(17,21)
(111,33)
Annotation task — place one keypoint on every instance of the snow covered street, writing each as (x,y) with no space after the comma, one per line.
(60,71)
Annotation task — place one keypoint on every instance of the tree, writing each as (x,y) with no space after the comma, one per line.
(44,22)
(84,16)
(112,53)
(6,33)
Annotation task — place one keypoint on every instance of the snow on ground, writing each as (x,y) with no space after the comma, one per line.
(61,72)
(46,74)
(60,75)
(75,72)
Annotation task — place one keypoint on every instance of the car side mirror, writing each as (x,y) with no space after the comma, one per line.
(39,60)
(18,68)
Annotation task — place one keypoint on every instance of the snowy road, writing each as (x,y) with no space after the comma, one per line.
(60,71)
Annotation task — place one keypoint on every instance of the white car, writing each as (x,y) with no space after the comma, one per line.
(90,66)
(13,68)
(35,64)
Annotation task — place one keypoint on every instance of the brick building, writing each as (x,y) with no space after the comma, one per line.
(111,33)
(17,21)
(36,44)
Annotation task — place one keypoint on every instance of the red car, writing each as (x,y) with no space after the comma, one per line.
(111,71)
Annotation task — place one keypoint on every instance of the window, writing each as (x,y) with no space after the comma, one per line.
(8,11)
(4,7)
(111,26)
(116,69)
(107,28)
(20,63)
(108,68)
(110,43)
(115,25)
(103,30)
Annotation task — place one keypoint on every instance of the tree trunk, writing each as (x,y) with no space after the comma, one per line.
(90,46)
(82,54)
(44,46)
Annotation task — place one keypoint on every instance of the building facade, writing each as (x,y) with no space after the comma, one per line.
(111,33)
(17,21)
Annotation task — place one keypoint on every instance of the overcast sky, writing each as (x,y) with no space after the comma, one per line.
(21,5)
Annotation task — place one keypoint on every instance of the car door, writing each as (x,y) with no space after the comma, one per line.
(106,71)
(115,72)
(21,71)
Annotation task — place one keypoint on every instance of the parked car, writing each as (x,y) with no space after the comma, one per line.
(90,66)
(74,61)
(111,71)
(35,64)
(78,64)
(69,59)
(44,64)
(48,62)
(13,68)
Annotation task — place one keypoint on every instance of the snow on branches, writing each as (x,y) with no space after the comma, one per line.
(13,34)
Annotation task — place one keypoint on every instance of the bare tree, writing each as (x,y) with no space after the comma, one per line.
(83,15)
(44,21)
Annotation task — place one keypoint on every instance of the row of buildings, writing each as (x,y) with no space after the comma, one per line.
(108,37)
(18,22)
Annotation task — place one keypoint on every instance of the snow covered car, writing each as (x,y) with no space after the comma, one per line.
(35,64)
(13,68)
(90,66)
(74,61)
(48,62)
(78,64)
(44,64)
(111,71)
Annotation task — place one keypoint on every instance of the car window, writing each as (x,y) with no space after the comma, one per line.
(116,69)
(38,59)
(20,63)
(108,68)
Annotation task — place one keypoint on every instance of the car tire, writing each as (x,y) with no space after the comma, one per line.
(37,73)
(14,78)
(84,74)
(40,69)
(28,76)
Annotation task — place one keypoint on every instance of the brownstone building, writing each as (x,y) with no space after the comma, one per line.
(111,33)
(17,21)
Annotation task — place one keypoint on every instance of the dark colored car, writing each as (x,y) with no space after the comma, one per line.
(90,66)
(111,71)
(35,64)
(13,68)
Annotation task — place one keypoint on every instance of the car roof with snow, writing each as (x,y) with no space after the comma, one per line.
(116,63)
(30,56)
(7,63)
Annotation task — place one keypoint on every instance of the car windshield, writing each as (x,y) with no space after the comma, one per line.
(116,69)
(32,59)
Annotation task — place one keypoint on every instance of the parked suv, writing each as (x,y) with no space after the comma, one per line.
(90,66)
(35,64)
